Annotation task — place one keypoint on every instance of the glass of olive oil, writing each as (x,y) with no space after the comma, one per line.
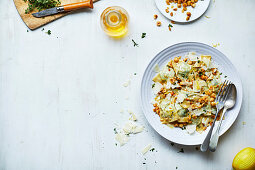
(114,21)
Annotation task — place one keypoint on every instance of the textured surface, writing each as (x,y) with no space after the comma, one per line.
(61,95)
(32,22)
(224,65)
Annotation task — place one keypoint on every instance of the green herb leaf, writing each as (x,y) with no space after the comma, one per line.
(48,32)
(181,151)
(143,35)
(153,85)
(170,25)
(135,44)
(115,131)
(40,5)
(152,149)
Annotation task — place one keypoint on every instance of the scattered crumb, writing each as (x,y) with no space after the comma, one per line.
(156,68)
(132,128)
(158,23)
(146,149)
(155,16)
(126,83)
(133,117)
(173,22)
(121,138)
(207,16)
(244,123)
(215,45)
(123,134)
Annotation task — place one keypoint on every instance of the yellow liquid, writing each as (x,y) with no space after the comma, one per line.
(114,21)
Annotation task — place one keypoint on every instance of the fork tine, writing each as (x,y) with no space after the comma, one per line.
(227,91)
(222,94)
(217,97)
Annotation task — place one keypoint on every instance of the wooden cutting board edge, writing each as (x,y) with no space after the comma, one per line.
(33,23)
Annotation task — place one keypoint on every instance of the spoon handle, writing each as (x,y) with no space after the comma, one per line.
(216,135)
(205,144)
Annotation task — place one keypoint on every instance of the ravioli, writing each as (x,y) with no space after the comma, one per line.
(185,91)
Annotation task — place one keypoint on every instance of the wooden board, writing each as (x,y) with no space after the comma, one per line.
(34,23)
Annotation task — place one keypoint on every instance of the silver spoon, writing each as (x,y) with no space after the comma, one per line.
(230,102)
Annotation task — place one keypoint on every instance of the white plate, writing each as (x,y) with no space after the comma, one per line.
(224,65)
(201,7)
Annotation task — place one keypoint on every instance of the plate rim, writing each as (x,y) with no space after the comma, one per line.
(173,46)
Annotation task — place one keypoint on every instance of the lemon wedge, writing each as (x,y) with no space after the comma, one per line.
(245,159)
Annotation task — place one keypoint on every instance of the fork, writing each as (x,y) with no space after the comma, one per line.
(220,100)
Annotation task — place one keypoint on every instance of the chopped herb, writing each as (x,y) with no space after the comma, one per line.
(220,73)
(143,35)
(41,5)
(144,163)
(134,73)
(198,61)
(115,131)
(135,44)
(153,85)
(225,76)
(204,110)
(176,168)
(115,144)
(170,25)
(152,149)
(187,95)
(48,32)
(43,29)
(27,30)
(182,151)
(172,143)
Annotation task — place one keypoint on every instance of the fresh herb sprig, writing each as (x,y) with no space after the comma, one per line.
(135,44)
(41,5)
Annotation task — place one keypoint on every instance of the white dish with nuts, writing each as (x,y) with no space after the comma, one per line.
(182,10)
(184,91)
